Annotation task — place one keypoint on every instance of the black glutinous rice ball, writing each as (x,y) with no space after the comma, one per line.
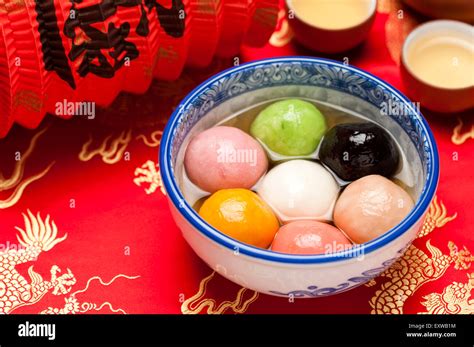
(355,150)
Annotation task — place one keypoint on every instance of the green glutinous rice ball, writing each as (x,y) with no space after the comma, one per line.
(290,127)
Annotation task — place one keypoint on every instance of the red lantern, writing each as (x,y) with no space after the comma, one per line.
(91,50)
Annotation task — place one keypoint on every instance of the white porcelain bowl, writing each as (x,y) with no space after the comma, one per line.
(327,82)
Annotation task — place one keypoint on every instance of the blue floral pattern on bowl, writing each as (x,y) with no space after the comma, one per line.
(314,291)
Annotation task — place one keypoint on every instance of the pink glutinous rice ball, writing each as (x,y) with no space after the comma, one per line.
(223,158)
(310,237)
(371,206)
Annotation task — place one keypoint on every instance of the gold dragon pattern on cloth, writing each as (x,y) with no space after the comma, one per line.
(37,237)
(73,52)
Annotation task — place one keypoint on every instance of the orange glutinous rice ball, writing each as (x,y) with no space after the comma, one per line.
(242,215)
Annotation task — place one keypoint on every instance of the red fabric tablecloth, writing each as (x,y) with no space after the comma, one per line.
(91,189)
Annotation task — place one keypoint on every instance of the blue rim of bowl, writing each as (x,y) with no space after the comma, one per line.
(215,235)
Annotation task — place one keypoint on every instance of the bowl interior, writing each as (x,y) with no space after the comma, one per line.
(324,81)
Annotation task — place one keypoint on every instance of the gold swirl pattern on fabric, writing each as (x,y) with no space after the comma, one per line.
(149,174)
(73,306)
(435,218)
(284,34)
(20,189)
(154,140)
(459,136)
(16,181)
(198,302)
(111,150)
(19,169)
